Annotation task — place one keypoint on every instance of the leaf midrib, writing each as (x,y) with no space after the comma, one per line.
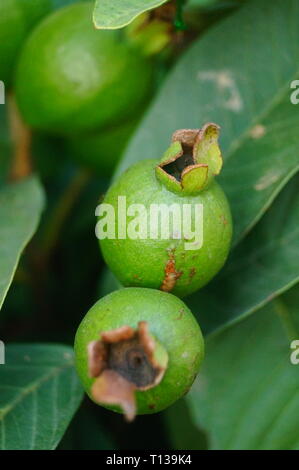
(31,388)
(260,117)
(235,146)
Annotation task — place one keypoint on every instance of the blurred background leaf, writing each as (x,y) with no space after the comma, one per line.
(87,431)
(5,151)
(247,395)
(39,393)
(183,433)
(20,209)
(263,266)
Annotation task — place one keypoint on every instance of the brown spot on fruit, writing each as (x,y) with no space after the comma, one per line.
(192,273)
(171,274)
(223,220)
(181,313)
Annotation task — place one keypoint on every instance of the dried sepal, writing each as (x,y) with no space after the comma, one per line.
(112,389)
(119,334)
(187,137)
(97,358)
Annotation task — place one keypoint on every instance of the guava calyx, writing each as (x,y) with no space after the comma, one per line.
(149,34)
(123,361)
(193,159)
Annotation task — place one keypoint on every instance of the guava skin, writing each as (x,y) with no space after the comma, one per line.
(16,19)
(72,77)
(142,263)
(170,322)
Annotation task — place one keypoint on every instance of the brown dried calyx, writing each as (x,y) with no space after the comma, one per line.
(122,361)
(192,160)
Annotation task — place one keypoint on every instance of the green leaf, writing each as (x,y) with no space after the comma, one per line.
(4,146)
(247,395)
(237,75)
(263,266)
(39,393)
(20,209)
(114,14)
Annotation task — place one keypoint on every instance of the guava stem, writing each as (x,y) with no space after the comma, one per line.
(21,136)
(40,250)
(179,19)
(61,212)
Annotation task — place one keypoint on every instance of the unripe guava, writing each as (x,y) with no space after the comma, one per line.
(16,19)
(72,77)
(184,177)
(138,351)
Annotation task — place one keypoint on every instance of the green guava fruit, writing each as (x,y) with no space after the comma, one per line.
(138,350)
(144,249)
(16,19)
(72,77)
(101,150)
